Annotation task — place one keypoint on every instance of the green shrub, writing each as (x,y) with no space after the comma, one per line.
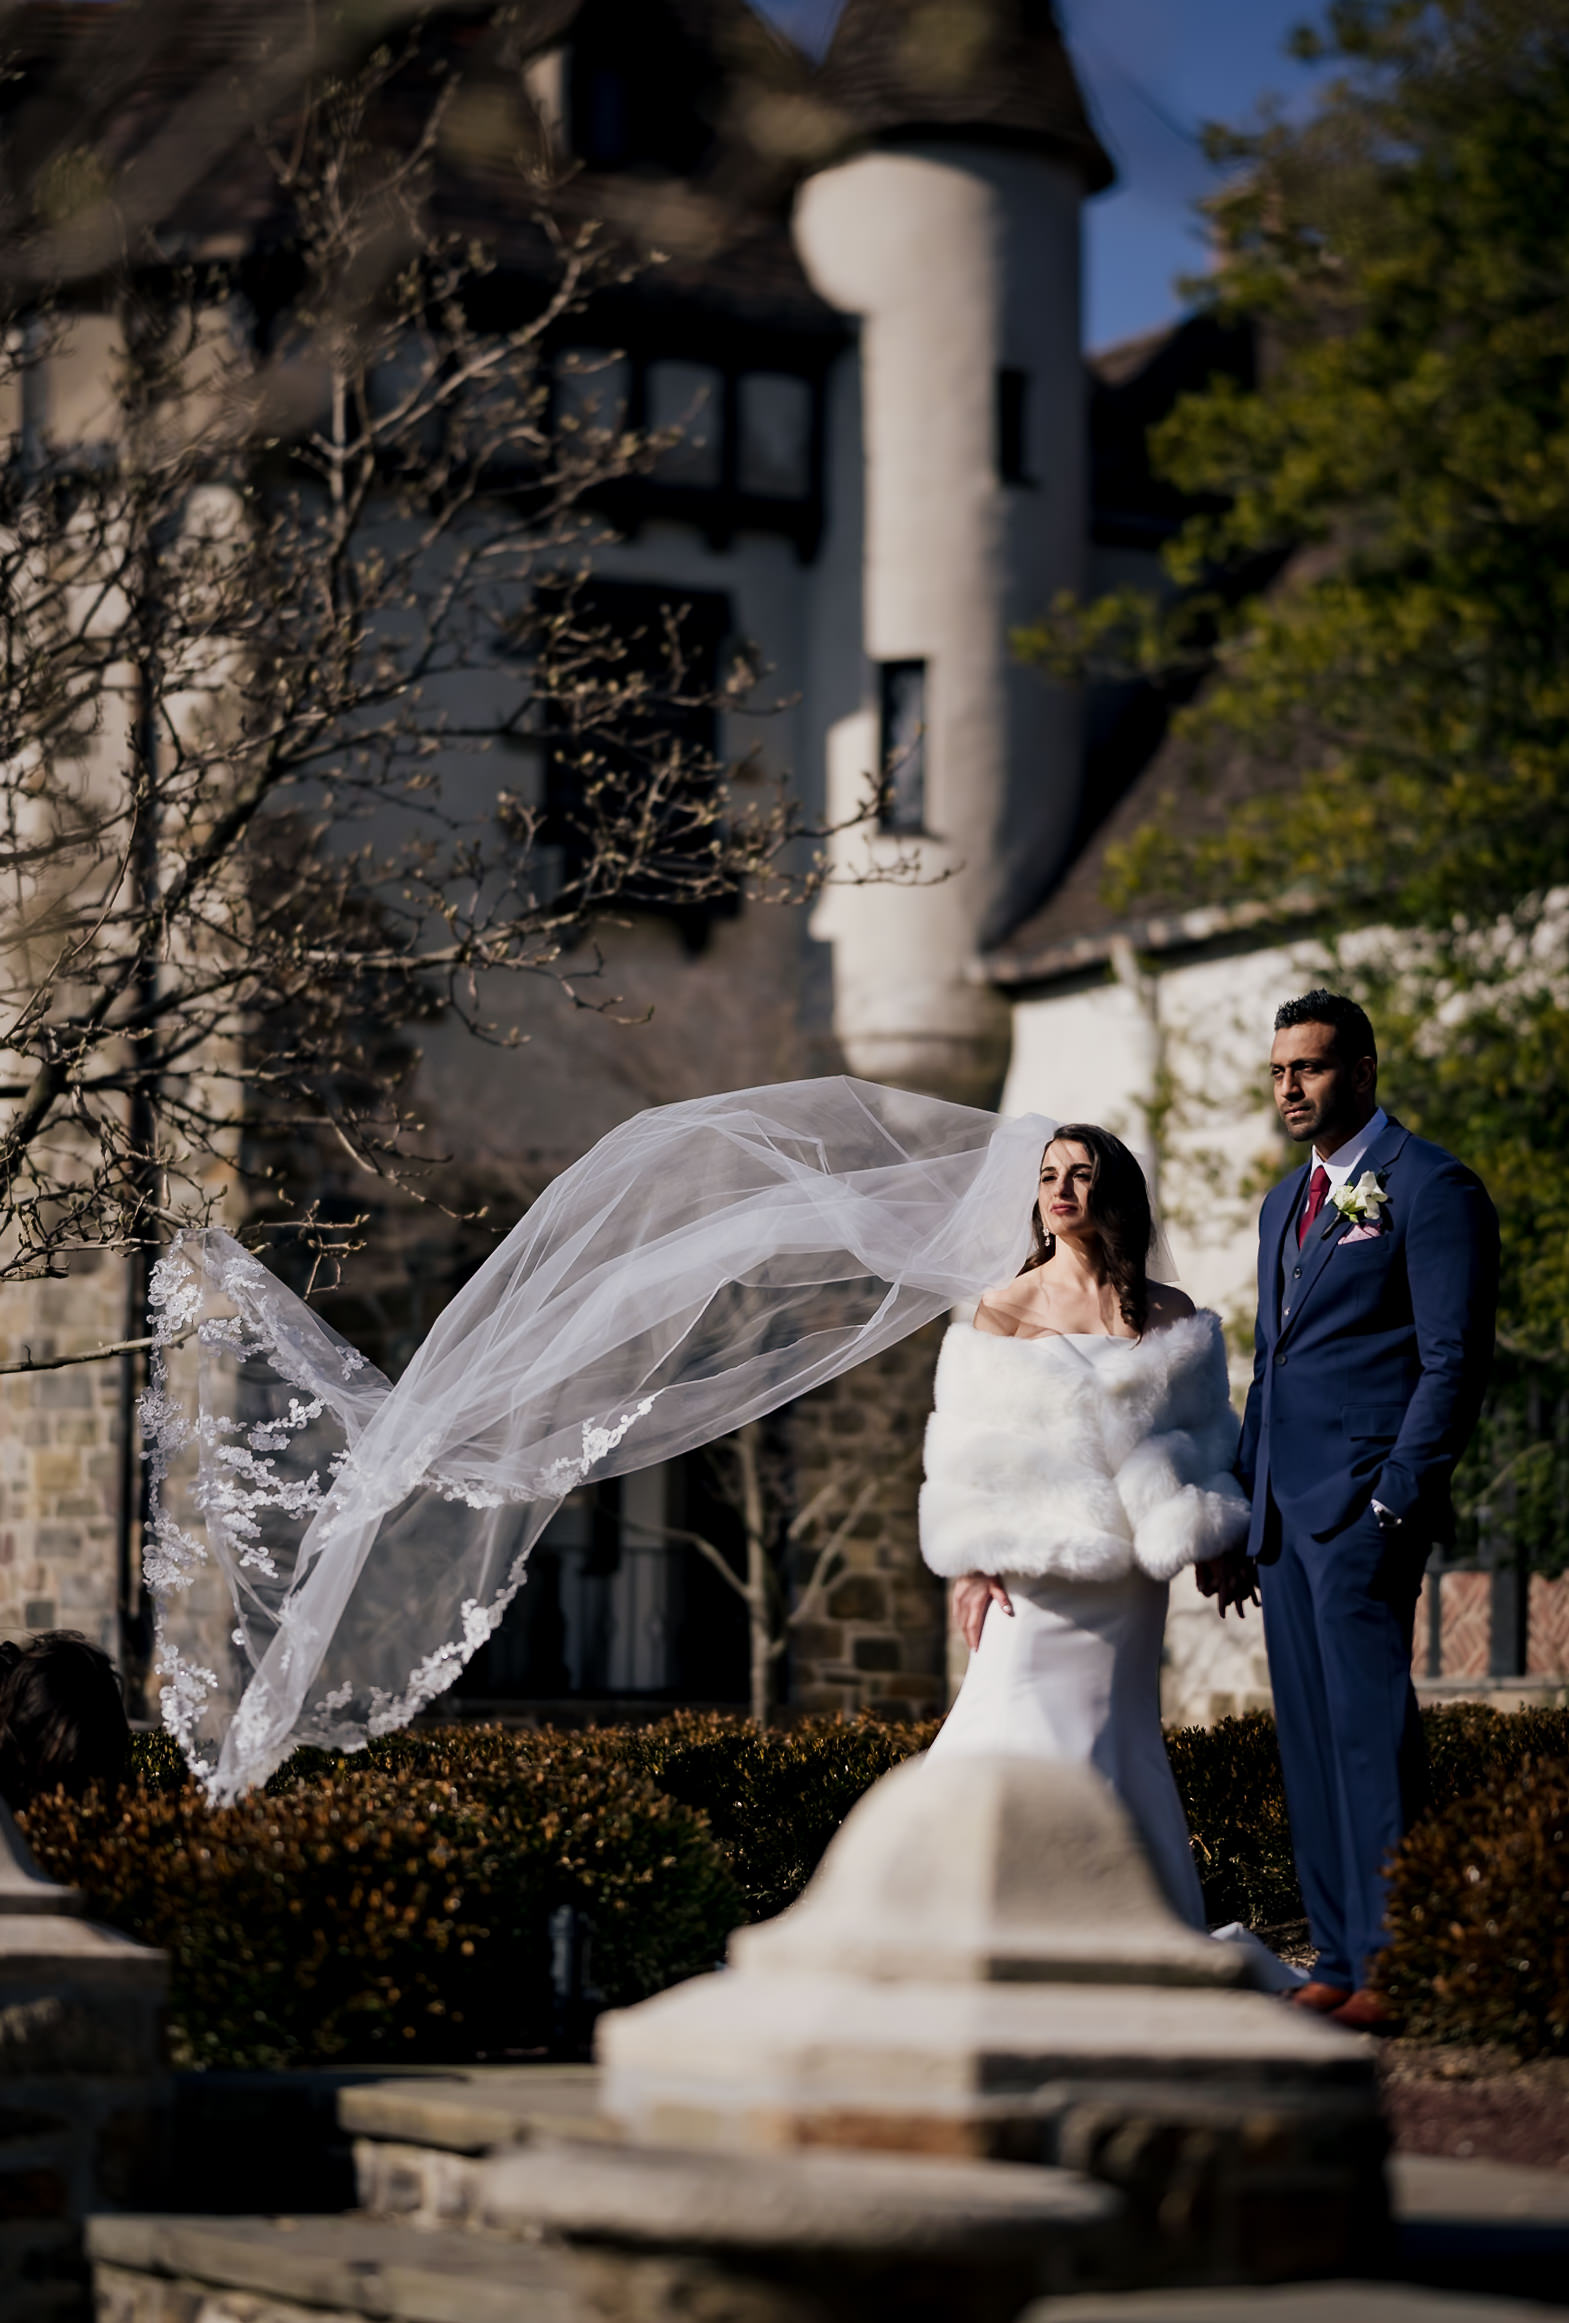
(157,1761)
(1230,1781)
(398,1905)
(773,1799)
(1473,1748)
(1479,1916)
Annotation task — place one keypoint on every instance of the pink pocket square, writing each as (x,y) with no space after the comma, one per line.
(1363,1234)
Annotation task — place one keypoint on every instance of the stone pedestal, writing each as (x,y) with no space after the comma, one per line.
(83,2092)
(983,1966)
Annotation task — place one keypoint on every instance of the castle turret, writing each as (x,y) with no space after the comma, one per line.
(949,226)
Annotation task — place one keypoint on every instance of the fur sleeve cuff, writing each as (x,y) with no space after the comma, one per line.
(1200,1521)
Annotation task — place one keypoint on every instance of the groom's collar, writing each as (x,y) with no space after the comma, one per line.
(1345,1158)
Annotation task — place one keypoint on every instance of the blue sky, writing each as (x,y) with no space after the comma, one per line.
(1153,71)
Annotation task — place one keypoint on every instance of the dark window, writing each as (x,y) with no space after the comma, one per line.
(1013,426)
(688,401)
(774,459)
(603,116)
(631,675)
(902,745)
(640,95)
(611,1609)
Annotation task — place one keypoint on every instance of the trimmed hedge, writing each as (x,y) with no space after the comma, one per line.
(398,1903)
(1479,1916)
(1231,1785)
(1229,1778)
(773,1799)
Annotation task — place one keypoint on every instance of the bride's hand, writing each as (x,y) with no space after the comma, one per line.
(1230,1580)
(972,1594)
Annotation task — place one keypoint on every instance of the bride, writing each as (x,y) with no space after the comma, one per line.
(706,1262)
(1078,1457)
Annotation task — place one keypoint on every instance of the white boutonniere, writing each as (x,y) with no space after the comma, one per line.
(1364,1203)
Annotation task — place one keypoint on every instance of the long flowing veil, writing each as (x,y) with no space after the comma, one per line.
(703,1264)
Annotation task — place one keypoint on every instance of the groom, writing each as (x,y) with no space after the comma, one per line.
(1377,1283)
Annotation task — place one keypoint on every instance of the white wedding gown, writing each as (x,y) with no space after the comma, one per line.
(1075,1674)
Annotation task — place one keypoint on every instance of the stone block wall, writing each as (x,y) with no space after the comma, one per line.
(60,1473)
(60,1456)
(879,1643)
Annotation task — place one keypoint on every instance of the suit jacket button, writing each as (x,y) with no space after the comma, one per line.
(1280,1359)
(1296,1273)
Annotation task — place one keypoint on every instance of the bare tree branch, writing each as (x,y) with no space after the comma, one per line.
(287,648)
(30,1362)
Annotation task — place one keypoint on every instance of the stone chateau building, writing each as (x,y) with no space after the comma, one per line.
(893,453)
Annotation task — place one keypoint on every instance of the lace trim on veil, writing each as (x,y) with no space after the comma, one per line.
(703,1264)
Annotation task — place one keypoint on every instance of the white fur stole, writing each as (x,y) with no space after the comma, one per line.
(1045,1457)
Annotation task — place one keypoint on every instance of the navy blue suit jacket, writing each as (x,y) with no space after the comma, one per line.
(1368,1373)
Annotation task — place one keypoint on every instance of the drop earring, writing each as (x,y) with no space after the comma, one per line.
(1050,1250)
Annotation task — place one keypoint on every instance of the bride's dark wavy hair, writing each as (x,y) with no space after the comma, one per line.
(1119,1205)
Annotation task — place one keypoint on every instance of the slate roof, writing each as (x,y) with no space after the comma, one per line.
(1076,929)
(163,92)
(995,68)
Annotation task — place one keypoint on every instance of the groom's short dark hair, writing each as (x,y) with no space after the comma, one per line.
(1352,1026)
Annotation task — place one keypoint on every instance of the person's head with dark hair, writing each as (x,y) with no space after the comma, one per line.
(1350,1024)
(1324,1067)
(62,1721)
(1092,1193)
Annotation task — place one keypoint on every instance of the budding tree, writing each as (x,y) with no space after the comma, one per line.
(771,1538)
(267,619)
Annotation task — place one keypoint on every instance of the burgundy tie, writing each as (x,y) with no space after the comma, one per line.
(1318,1194)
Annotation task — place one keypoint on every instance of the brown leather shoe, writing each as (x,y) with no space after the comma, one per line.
(1323,1999)
(1365,2012)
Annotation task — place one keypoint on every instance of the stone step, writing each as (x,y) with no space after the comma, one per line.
(1293,2303)
(169,2270)
(590,2231)
(1435,2191)
(1483,2227)
(666,2197)
(1214,2184)
(475,2109)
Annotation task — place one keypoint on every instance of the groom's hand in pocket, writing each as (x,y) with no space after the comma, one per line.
(972,1594)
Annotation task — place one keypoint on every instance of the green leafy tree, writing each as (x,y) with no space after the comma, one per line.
(1400,682)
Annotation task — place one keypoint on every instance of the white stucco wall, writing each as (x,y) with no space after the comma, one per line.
(601,1038)
(957,261)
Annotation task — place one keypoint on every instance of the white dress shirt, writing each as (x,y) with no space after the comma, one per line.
(1347,1158)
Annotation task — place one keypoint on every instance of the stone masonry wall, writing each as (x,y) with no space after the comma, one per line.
(60,1457)
(879,1643)
(60,1473)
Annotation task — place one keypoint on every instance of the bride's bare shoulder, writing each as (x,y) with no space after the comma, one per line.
(1003,1309)
(1168,1305)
